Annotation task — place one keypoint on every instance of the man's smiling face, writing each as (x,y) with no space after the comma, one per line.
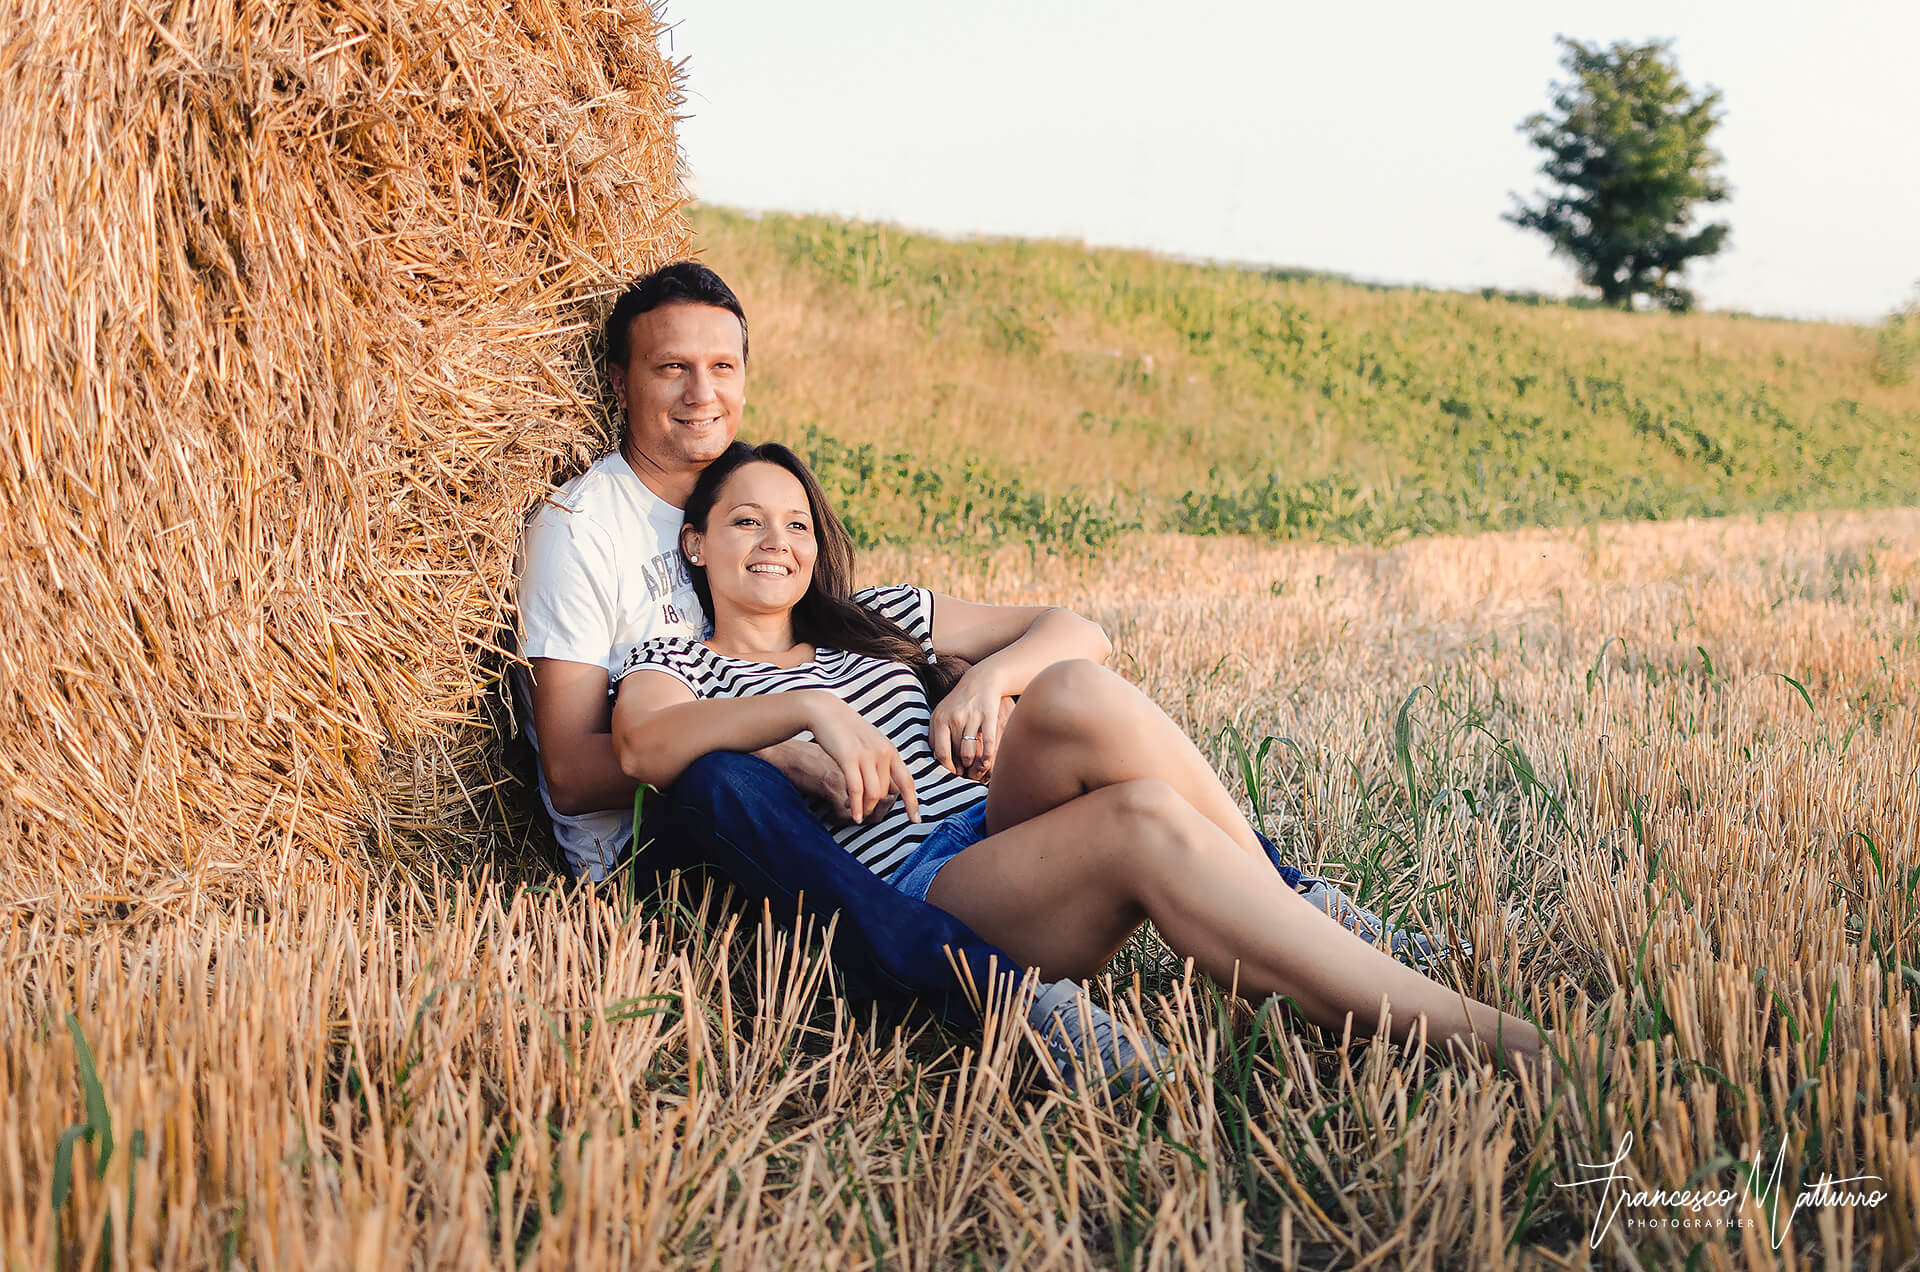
(684,386)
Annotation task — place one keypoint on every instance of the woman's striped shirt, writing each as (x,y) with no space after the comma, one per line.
(886,694)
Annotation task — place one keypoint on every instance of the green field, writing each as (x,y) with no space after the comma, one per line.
(976,391)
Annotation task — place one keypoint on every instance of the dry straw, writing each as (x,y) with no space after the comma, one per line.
(293,310)
(294,304)
(456,1074)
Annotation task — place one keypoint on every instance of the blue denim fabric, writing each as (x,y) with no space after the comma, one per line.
(741,815)
(1288,874)
(953,836)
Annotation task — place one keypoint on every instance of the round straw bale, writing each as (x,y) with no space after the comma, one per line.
(296,309)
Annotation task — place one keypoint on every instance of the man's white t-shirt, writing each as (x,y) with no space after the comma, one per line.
(600,572)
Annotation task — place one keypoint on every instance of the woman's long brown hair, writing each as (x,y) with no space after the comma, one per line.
(827,615)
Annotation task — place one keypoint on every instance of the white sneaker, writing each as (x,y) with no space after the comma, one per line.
(1411,947)
(1078,1034)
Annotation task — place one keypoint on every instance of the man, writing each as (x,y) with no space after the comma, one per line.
(601,571)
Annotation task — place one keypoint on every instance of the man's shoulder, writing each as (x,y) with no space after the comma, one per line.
(606,493)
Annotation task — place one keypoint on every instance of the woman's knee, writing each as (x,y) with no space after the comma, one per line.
(1151,825)
(1072,695)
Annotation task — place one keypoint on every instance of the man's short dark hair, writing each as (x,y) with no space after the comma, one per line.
(683,282)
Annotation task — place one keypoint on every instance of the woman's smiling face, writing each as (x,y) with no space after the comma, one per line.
(758,548)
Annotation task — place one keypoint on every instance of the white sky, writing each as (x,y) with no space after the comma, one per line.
(1378,140)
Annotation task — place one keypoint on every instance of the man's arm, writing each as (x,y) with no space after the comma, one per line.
(574,719)
(1008,646)
(1011,644)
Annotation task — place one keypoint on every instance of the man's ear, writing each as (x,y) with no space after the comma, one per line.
(617,377)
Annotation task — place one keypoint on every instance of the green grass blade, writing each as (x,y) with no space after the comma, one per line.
(1403,754)
(1799,688)
(63,1163)
(99,1121)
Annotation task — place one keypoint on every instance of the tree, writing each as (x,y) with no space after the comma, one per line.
(1626,145)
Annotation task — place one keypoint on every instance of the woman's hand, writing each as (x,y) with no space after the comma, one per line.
(873,769)
(967,725)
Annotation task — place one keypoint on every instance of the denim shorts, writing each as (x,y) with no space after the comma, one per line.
(953,835)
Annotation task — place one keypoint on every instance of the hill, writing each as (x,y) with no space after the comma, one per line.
(980,389)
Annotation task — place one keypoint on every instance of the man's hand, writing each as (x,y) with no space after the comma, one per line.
(814,772)
(967,725)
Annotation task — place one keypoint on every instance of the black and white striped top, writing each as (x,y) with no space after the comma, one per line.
(886,694)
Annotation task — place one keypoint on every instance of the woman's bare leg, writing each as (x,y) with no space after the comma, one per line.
(1063,890)
(1080,727)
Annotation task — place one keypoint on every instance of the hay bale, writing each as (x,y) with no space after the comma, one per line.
(295,310)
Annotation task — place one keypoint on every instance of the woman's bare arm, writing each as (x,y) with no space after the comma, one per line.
(660,727)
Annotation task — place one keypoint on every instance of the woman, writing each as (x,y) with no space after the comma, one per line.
(1101,812)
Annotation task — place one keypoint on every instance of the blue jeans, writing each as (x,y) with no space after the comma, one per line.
(741,815)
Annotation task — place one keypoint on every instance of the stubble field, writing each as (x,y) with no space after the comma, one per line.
(1661,776)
